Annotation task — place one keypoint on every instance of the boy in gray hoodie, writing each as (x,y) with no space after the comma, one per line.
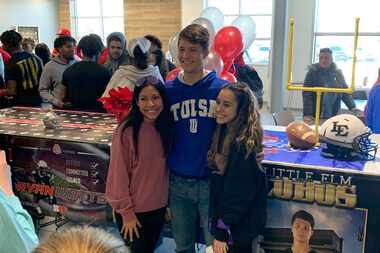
(50,86)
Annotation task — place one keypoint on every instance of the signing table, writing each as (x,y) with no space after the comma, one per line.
(342,196)
(63,171)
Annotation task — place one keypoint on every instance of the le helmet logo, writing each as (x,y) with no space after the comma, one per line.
(339,129)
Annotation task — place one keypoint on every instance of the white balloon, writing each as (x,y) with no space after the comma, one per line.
(213,62)
(247,27)
(173,46)
(215,16)
(206,23)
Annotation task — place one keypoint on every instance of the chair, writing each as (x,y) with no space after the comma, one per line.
(267,119)
(283,118)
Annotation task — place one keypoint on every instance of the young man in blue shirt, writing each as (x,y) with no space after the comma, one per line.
(192,97)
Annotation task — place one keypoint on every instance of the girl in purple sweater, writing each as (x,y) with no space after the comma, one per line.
(137,183)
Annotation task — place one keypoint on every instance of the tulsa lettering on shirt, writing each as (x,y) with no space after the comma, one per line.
(191,109)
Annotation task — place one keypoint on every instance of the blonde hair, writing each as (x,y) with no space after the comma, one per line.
(81,240)
(245,130)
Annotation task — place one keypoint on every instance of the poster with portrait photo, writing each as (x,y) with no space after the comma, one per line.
(31,32)
(338,230)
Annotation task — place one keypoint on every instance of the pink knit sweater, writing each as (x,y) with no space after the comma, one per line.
(137,184)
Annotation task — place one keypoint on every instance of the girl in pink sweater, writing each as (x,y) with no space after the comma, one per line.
(137,182)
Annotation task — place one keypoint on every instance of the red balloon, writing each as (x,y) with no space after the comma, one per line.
(173,74)
(103,56)
(225,75)
(228,43)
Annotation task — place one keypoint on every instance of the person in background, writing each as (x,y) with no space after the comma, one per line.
(51,89)
(238,188)
(127,75)
(104,54)
(325,74)
(62,32)
(85,81)
(137,182)
(157,56)
(81,240)
(302,231)
(117,54)
(16,226)
(247,74)
(1,72)
(372,109)
(22,72)
(28,45)
(43,51)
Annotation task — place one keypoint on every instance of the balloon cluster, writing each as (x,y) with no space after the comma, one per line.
(226,42)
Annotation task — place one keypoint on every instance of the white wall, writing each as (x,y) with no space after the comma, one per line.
(303,13)
(42,13)
(191,9)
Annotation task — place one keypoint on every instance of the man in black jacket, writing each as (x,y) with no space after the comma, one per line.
(325,74)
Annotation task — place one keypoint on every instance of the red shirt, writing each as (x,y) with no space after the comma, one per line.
(137,183)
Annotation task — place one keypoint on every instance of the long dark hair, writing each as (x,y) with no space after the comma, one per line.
(159,55)
(140,59)
(246,130)
(164,122)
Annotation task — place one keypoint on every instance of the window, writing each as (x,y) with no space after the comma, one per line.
(261,13)
(338,35)
(96,16)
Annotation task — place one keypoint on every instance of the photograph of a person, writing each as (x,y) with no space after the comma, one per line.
(302,230)
(296,227)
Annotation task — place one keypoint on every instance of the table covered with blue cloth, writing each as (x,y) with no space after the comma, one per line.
(342,196)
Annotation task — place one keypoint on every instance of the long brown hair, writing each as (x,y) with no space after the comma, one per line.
(245,131)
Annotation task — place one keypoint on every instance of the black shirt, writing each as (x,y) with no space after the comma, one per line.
(239,197)
(85,82)
(25,69)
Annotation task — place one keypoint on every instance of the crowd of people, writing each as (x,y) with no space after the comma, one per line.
(206,171)
(203,110)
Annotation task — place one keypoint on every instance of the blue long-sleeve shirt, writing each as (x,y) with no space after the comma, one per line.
(373,111)
(194,124)
(17,234)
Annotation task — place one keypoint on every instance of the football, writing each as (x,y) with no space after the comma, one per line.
(300,135)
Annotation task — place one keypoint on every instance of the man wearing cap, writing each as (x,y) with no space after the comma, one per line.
(325,74)
(64,32)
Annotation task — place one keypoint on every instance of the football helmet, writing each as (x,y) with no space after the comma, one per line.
(345,137)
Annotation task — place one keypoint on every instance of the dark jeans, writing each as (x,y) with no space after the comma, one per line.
(244,246)
(151,226)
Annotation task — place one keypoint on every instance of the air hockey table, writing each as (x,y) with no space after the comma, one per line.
(59,171)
